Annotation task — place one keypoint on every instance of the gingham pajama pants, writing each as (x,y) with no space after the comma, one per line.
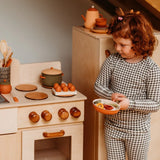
(119,144)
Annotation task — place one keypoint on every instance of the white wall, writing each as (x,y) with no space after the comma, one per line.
(41,30)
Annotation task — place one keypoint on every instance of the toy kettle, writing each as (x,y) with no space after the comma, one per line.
(90,19)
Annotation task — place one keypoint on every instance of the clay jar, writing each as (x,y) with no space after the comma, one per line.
(101,22)
(5,85)
(91,15)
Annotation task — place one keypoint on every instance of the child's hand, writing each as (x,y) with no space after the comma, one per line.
(121,99)
(115,96)
(124,103)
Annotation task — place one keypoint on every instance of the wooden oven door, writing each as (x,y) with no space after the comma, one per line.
(65,141)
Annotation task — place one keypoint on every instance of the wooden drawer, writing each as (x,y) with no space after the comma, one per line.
(8,121)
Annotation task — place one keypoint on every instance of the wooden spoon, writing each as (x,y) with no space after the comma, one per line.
(8,56)
(4,49)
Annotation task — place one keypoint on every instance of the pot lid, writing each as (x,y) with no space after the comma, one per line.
(52,71)
(92,8)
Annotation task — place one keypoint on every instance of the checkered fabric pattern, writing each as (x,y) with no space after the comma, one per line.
(136,145)
(140,82)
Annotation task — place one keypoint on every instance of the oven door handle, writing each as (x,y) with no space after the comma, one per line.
(54,134)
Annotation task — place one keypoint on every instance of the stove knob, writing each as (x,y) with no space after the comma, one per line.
(46,115)
(75,112)
(63,114)
(34,117)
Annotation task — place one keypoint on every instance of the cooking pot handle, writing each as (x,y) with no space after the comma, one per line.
(54,134)
(42,77)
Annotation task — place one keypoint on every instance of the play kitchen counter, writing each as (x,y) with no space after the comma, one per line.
(51,128)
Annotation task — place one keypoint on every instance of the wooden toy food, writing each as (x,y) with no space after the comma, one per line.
(64,89)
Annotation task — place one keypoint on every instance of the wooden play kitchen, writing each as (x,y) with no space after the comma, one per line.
(48,128)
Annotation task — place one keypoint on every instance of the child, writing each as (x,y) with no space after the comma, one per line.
(131,78)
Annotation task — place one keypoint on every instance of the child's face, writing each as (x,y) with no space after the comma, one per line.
(124,47)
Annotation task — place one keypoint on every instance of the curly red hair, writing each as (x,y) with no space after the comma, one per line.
(135,26)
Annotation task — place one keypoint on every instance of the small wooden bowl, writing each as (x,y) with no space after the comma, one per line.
(115,106)
(101,22)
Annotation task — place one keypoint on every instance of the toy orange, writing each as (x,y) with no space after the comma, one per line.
(63,85)
(72,88)
(65,89)
(58,89)
(55,85)
(69,85)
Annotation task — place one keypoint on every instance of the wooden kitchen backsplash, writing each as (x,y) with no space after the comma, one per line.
(24,73)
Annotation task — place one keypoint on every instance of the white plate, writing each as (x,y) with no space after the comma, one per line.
(64,94)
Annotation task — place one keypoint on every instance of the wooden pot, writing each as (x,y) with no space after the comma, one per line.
(51,76)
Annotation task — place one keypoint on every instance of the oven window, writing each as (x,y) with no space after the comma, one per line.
(53,149)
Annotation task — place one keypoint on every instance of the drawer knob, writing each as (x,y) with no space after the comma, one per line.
(34,117)
(63,114)
(75,112)
(46,115)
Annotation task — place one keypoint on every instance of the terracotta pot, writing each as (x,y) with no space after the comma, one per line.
(5,88)
(51,76)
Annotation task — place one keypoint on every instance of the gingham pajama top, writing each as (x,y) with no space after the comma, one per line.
(139,82)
